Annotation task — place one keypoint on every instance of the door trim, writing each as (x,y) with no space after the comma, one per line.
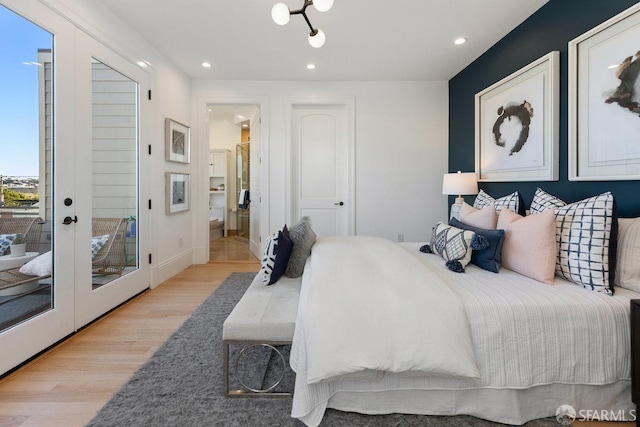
(201,204)
(348,102)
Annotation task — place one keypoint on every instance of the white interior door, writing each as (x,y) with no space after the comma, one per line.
(254,185)
(320,168)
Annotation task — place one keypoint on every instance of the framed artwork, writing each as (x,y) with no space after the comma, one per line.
(516,124)
(177,192)
(177,141)
(604,100)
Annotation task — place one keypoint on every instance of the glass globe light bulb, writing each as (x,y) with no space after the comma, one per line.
(317,40)
(322,5)
(280,13)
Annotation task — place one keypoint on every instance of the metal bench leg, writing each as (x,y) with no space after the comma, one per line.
(225,366)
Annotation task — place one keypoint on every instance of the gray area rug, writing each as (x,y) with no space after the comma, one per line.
(181,384)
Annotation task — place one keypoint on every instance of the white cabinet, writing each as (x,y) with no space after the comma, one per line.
(219,186)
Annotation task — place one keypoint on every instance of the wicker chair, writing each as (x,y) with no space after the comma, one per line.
(110,259)
(29,227)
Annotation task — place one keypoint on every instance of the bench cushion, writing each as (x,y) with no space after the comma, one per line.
(265,313)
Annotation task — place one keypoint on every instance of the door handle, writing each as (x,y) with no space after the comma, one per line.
(68,220)
(339,204)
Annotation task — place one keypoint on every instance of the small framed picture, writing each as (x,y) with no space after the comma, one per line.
(516,124)
(177,141)
(177,192)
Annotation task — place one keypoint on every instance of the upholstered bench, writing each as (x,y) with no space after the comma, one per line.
(264,316)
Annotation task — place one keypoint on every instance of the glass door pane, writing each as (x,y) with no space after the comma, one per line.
(26,181)
(114,174)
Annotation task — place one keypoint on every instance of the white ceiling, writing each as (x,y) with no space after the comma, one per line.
(366,39)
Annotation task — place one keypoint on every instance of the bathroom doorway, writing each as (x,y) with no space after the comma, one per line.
(235,129)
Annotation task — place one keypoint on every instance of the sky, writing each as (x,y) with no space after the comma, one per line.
(19,43)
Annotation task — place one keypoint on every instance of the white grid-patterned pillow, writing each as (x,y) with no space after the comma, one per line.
(586,237)
(543,201)
(511,201)
(5,242)
(97,242)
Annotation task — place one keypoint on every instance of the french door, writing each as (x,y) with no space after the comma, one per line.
(82,198)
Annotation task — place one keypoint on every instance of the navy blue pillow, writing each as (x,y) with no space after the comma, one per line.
(490,258)
(276,256)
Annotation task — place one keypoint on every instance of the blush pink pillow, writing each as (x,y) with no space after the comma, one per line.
(529,246)
(486,218)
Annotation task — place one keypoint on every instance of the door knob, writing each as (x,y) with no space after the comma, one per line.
(339,204)
(68,220)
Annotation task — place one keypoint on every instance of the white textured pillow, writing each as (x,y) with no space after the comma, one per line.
(628,267)
(529,246)
(39,266)
(486,218)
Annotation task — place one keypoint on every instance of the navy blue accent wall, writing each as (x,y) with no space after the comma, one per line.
(550,28)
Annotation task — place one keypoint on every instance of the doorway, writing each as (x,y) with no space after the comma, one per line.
(234,129)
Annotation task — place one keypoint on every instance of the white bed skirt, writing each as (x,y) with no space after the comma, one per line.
(507,406)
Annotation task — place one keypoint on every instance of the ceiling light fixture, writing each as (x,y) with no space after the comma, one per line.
(311,66)
(460,41)
(281,14)
(206,65)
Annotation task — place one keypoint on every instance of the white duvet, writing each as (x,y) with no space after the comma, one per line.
(357,317)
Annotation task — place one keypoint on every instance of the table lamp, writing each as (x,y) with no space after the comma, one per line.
(459,184)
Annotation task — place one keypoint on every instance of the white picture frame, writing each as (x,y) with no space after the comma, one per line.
(178,192)
(516,124)
(604,122)
(177,141)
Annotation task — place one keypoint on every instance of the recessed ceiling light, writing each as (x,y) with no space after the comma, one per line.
(311,66)
(206,65)
(459,41)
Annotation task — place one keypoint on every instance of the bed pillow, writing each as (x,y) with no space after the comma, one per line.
(451,243)
(628,259)
(486,218)
(543,201)
(277,251)
(511,201)
(97,242)
(529,246)
(488,258)
(586,233)
(303,239)
(5,242)
(39,266)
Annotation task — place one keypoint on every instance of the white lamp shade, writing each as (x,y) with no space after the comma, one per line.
(460,183)
(280,13)
(317,40)
(322,5)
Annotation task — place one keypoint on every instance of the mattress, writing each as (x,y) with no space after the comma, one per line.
(535,345)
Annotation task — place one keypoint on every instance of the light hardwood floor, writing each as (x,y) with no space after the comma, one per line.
(68,384)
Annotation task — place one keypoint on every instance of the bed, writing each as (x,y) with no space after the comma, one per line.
(535,346)
(384,327)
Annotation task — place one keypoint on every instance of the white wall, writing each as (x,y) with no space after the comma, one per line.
(400,148)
